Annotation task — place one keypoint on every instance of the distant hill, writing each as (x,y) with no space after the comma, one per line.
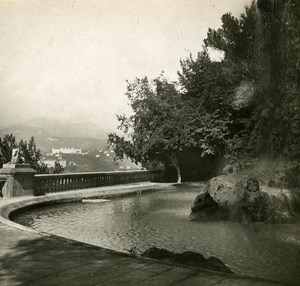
(53,133)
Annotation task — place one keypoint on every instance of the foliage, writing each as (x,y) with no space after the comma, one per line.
(263,47)
(164,126)
(211,86)
(199,114)
(237,38)
(58,168)
(211,83)
(29,153)
(42,168)
(6,145)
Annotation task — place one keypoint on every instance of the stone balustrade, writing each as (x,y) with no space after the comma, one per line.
(52,183)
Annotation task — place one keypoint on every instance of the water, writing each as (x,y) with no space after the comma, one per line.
(161,219)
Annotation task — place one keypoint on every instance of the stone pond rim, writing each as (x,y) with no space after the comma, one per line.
(240,197)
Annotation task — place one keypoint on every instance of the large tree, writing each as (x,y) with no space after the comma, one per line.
(164,126)
(236,76)
(237,39)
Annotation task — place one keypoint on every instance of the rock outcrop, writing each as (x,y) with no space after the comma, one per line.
(189,258)
(240,197)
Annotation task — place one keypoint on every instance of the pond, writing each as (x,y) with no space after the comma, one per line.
(160,219)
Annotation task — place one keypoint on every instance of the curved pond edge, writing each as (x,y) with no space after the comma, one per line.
(11,206)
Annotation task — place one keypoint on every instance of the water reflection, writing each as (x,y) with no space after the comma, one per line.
(161,219)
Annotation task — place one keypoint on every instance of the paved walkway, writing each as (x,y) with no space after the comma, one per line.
(30,258)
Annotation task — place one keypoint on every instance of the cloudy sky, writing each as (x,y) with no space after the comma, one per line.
(69,60)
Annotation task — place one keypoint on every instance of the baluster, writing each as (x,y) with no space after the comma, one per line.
(67,184)
(60,183)
(70,184)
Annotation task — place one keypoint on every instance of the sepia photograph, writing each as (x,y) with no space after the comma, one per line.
(149,142)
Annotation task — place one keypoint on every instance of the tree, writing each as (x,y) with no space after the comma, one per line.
(237,38)
(58,168)
(43,168)
(211,83)
(6,146)
(32,155)
(208,86)
(28,153)
(164,127)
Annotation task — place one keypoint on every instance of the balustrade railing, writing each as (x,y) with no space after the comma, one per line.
(52,183)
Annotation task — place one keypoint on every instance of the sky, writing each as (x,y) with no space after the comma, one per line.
(69,60)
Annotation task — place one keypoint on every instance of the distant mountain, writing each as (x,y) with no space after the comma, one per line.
(53,133)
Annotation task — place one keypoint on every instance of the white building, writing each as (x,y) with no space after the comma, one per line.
(66,150)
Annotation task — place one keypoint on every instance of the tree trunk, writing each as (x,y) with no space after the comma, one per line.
(175,162)
(178,174)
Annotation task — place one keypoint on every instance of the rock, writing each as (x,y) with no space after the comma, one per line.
(227,169)
(157,253)
(240,198)
(226,191)
(205,208)
(252,185)
(214,263)
(189,258)
(204,201)
(254,206)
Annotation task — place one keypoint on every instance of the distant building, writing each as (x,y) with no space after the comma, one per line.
(66,150)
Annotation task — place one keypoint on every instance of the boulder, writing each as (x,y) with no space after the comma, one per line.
(204,201)
(189,258)
(253,206)
(207,208)
(226,190)
(240,197)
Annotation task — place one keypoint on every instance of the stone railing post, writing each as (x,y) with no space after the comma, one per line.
(19,180)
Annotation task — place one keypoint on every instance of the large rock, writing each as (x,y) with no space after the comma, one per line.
(253,206)
(206,208)
(189,258)
(239,197)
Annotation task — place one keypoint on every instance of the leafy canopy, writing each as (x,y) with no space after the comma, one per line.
(164,125)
